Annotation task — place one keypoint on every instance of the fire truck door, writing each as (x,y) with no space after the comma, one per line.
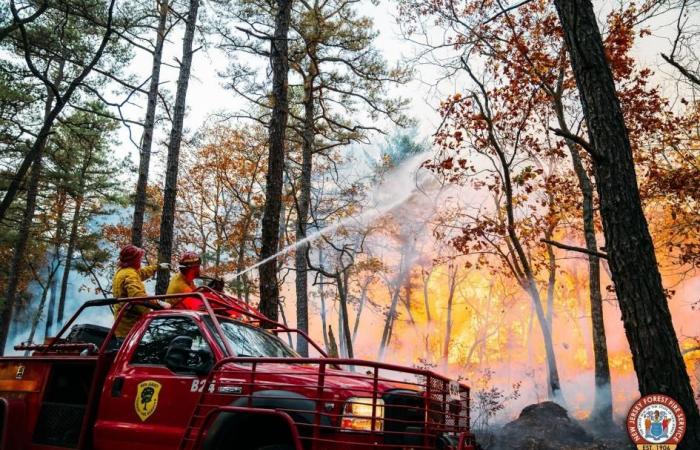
(145,405)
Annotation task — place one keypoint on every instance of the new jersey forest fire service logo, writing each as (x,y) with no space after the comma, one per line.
(656,422)
(146,400)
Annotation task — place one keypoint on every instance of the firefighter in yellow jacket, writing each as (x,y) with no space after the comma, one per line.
(128,282)
(190,264)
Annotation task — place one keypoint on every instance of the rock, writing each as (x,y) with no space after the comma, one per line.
(545,426)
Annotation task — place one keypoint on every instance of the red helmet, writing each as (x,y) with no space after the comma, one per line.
(189,259)
(130,254)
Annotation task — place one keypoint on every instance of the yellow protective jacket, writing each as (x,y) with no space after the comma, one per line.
(178,285)
(128,282)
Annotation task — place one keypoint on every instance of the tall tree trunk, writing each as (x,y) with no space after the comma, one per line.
(148,127)
(53,297)
(342,280)
(452,279)
(73,238)
(388,323)
(360,308)
(332,345)
(72,241)
(553,384)
(42,303)
(645,314)
(58,241)
(284,322)
(602,408)
(407,299)
(303,201)
(426,299)
(324,321)
(341,337)
(529,284)
(17,262)
(269,289)
(167,221)
(552,280)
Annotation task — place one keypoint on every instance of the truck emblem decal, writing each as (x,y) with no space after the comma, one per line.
(20,372)
(230,389)
(146,400)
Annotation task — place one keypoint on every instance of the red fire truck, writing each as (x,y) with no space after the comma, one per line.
(219,378)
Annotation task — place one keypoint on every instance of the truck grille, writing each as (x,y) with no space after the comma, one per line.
(448,414)
(404,415)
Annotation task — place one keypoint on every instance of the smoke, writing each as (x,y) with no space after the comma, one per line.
(80,289)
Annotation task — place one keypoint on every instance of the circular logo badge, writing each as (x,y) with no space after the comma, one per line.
(654,420)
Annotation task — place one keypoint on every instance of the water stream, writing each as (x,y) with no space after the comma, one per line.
(399,186)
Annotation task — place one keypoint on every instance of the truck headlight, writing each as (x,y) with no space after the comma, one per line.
(357,414)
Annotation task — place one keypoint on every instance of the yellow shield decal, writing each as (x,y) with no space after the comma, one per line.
(146,400)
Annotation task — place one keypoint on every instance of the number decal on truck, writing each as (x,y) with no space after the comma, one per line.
(198,386)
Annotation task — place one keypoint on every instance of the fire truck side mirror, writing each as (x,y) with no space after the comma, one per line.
(180,358)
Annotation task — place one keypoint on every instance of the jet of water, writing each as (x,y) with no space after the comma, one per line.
(399,186)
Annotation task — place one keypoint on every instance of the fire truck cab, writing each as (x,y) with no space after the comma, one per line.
(216,379)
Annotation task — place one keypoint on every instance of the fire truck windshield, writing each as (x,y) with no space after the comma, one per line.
(250,341)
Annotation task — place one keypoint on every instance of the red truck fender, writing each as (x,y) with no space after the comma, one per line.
(12,418)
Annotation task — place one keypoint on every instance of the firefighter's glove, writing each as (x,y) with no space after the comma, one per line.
(164,305)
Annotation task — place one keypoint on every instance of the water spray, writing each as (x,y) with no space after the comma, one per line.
(385,199)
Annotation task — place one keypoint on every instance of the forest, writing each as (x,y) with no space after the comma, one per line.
(502,191)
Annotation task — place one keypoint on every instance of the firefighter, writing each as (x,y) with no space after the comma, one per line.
(128,282)
(183,282)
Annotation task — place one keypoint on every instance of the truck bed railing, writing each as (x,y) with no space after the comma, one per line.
(424,407)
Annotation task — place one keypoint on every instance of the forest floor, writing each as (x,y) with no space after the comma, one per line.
(548,426)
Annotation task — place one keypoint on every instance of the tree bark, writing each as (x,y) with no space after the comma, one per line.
(73,238)
(61,199)
(303,201)
(360,308)
(602,408)
(148,127)
(53,297)
(342,280)
(426,299)
(269,289)
(72,241)
(388,324)
(407,299)
(645,314)
(167,222)
(452,279)
(552,280)
(16,264)
(324,324)
(42,303)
